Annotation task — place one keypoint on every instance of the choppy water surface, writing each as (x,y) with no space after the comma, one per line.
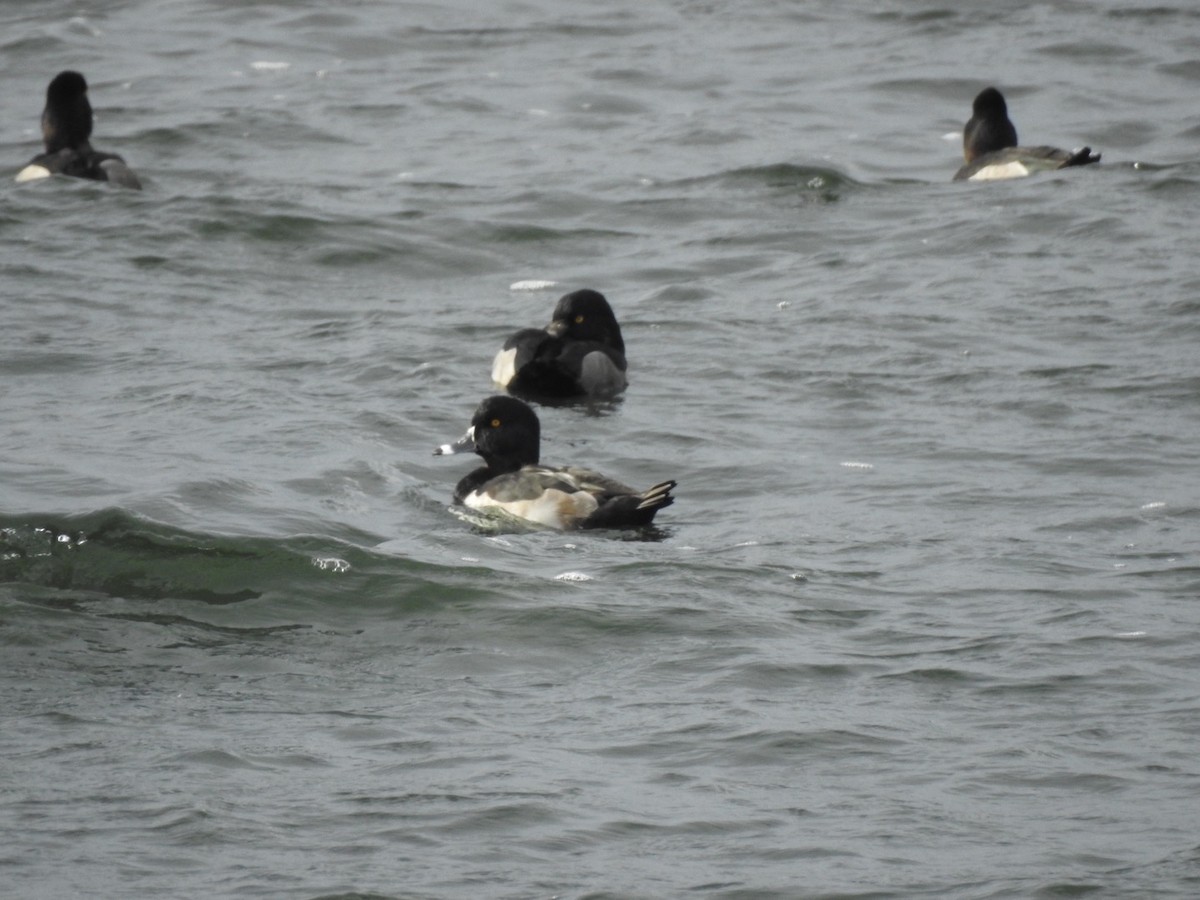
(923,619)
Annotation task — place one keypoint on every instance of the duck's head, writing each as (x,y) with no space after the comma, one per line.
(504,431)
(67,117)
(586,316)
(989,128)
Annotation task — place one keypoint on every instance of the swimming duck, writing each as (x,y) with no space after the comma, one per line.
(991,151)
(579,354)
(507,434)
(66,131)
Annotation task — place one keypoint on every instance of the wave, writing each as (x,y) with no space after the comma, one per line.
(820,182)
(114,554)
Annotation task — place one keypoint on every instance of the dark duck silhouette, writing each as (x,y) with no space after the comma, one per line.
(580,354)
(67,132)
(507,434)
(991,150)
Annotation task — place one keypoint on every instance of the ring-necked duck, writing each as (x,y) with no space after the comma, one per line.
(506,433)
(579,354)
(991,151)
(66,131)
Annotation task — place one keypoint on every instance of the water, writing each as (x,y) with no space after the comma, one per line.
(922,621)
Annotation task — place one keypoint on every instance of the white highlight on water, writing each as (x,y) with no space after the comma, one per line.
(572,576)
(531,285)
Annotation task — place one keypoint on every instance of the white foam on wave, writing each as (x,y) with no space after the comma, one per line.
(531,285)
(851,464)
(268,66)
(572,576)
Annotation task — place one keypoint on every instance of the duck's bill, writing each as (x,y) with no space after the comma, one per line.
(465,444)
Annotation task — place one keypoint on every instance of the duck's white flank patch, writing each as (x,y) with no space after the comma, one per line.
(32,172)
(552,508)
(504,367)
(531,285)
(1000,171)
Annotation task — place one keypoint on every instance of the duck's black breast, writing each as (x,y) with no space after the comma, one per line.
(537,365)
(518,352)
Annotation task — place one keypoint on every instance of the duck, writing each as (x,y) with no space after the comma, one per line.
(580,354)
(506,432)
(66,132)
(991,150)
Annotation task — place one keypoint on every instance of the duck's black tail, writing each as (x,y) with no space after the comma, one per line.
(1082,157)
(657,497)
(632,510)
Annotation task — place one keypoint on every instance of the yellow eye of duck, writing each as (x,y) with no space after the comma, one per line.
(495,423)
(579,320)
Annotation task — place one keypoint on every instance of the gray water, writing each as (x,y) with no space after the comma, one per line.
(923,619)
